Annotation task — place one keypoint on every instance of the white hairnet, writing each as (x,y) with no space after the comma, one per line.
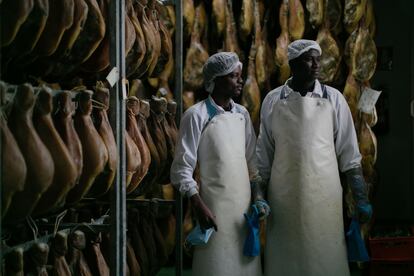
(300,46)
(217,65)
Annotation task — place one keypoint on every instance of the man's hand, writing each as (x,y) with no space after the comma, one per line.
(356,182)
(205,217)
(262,207)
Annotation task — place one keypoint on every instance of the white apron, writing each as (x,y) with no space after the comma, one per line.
(225,188)
(305,235)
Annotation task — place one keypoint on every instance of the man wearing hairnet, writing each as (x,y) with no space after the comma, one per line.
(218,134)
(306,137)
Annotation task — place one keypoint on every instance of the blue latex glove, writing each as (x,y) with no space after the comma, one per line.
(262,207)
(356,182)
(356,249)
(198,236)
(251,245)
(363,212)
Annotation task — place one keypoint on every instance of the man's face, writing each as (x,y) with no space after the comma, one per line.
(306,67)
(232,84)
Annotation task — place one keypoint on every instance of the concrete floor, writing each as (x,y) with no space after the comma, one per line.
(170,271)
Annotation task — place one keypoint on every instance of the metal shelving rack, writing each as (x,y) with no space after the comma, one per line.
(118,221)
(117,115)
(117,119)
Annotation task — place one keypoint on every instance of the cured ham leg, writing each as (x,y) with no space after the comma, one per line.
(40,165)
(65,173)
(104,181)
(95,154)
(13,166)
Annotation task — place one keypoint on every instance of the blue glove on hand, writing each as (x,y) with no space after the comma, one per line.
(357,184)
(363,212)
(262,207)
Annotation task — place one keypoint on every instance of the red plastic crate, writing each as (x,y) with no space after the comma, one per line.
(392,249)
(391,269)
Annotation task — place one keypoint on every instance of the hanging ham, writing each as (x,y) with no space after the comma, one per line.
(170,139)
(260,59)
(58,252)
(40,165)
(36,260)
(246,19)
(282,43)
(166,53)
(333,14)
(29,32)
(353,12)
(44,67)
(364,55)
(65,172)
(251,93)
(76,259)
(152,15)
(93,255)
(132,108)
(86,43)
(296,20)
(151,39)
(349,48)
(133,158)
(188,16)
(195,59)
(132,260)
(13,13)
(137,242)
(368,148)
(99,60)
(155,121)
(331,56)
(219,16)
(95,154)
(170,116)
(59,20)
(135,57)
(231,43)
(352,92)
(104,181)
(63,122)
(13,166)
(155,165)
(315,9)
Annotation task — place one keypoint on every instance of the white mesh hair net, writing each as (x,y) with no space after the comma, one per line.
(217,65)
(300,46)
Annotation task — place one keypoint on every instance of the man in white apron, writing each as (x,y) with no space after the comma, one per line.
(218,134)
(306,133)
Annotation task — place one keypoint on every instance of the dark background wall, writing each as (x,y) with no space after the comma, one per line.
(394,192)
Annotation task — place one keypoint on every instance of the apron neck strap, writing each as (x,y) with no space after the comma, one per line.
(323,87)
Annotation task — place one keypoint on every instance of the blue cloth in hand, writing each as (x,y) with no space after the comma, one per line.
(198,236)
(357,251)
(252,243)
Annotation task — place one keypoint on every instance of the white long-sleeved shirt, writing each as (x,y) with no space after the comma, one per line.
(346,143)
(192,124)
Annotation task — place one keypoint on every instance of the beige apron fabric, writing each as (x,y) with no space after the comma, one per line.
(305,235)
(225,188)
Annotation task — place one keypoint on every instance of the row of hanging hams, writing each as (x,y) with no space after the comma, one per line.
(84,250)
(76,253)
(57,155)
(57,40)
(83,253)
(344,30)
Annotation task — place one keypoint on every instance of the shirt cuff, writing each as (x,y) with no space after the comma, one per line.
(191,192)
